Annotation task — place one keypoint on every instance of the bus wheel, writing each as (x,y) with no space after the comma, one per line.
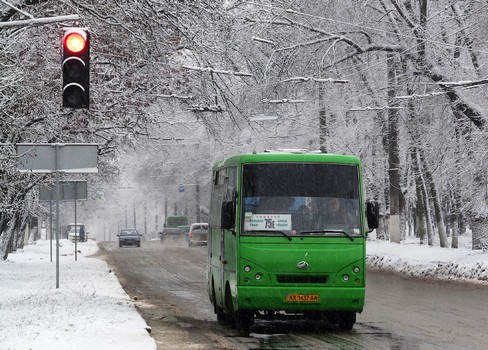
(221,316)
(346,320)
(231,318)
(244,320)
(239,320)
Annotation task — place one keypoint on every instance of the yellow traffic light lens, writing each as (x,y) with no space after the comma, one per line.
(75,42)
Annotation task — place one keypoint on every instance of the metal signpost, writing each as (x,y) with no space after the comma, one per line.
(57,157)
(70,191)
(48,195)
(45,157)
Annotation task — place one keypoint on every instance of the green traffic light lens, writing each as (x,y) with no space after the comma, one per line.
(74,95)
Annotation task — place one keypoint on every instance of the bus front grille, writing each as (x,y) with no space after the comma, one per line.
(301,279)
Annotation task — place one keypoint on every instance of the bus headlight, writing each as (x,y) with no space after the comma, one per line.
(258,276)
(345,277)
(356,270)
(247,268)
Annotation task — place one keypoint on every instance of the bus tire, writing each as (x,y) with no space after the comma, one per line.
(240,320)
(244,320)
(221,316)
(346,320)
(231,317)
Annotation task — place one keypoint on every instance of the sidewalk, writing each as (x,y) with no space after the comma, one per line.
(89,310)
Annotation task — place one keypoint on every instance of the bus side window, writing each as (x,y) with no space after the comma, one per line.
(230,183)
(228,217)
(216,178)
(216,198)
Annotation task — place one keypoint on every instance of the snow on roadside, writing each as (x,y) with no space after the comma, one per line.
(89,310)
(413,259)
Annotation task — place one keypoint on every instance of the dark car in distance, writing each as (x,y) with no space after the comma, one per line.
(129,236)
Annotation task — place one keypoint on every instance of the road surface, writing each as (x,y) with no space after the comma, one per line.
(168,285)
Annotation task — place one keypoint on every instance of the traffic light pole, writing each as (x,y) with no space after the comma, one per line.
(58,192)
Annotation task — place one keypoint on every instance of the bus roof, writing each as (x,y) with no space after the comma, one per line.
(288,156)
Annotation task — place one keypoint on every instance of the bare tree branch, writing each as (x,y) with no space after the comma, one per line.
(211,70)
(17,9)
(285,100)
(318,80)
(39,21)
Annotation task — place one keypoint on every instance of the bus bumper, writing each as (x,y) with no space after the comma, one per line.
(293,299)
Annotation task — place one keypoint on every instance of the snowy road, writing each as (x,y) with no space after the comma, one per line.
(169,284)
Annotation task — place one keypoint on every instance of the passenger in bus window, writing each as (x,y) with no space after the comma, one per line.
(335,214)
(250,204)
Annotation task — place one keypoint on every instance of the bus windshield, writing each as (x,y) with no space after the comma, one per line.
(308,199)
(175,221)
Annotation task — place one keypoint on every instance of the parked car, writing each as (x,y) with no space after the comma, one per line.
(129,236)
(80,235)
(198,234)
(70,228)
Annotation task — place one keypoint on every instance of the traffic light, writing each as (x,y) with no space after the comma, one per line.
(76,68)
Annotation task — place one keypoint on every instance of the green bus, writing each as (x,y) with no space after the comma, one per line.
(173,228)
(287,233)
(175,221)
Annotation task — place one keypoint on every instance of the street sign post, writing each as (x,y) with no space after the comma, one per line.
(56,158)
(69,191)
(71,158)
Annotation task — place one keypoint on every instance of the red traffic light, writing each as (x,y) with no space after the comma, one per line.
(75,42)
(76,68)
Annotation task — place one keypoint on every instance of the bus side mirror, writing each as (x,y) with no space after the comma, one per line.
(373,214)
(228,216)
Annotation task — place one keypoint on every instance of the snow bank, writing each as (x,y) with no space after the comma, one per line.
(462,264)
(89,310)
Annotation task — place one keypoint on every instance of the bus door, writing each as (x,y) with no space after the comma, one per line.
(228,238)
(222,264)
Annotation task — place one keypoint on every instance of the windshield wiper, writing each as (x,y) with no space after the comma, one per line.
(330,231)
(266,231)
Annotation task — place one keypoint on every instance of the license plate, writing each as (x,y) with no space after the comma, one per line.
(302,298)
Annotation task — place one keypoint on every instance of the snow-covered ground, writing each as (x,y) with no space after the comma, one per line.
(411,258)
(90,310)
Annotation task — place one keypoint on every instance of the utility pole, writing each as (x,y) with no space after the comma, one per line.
(135,223)
(197,197)
(145,219)
(165,209)
(322,120)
